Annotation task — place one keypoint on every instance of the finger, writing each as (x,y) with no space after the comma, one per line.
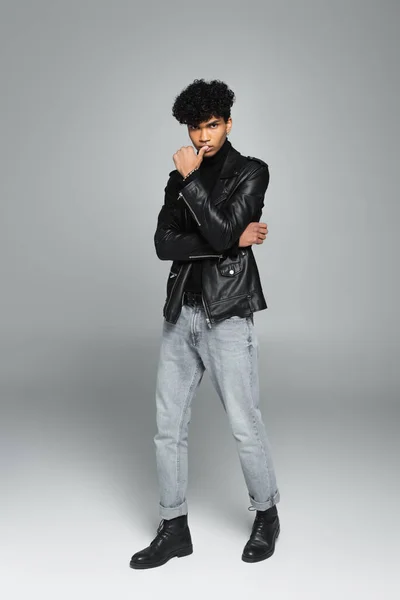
(202,150)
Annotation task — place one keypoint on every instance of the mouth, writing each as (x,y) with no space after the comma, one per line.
(209,147)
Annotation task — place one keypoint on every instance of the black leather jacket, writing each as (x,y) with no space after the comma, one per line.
(194,225)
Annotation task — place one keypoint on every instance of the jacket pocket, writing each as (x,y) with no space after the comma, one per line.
(230,267)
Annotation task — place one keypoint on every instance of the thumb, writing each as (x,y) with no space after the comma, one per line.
(202,150)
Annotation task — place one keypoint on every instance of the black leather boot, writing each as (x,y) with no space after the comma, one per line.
(264,533)
(173,539)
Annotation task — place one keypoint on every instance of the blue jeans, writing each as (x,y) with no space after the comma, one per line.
(229,352)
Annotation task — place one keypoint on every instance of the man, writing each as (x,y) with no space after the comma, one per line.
(207,225)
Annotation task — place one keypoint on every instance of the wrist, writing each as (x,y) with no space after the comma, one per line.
(189,173)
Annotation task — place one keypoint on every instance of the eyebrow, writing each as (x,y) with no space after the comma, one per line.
(210,123)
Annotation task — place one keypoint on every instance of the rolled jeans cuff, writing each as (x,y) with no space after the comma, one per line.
(274,499)
(176,511)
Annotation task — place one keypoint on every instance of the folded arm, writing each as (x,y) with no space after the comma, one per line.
(170,240)
(223,226)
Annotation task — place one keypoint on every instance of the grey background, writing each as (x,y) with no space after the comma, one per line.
(87,139)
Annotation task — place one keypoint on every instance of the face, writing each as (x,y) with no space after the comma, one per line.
(211,133)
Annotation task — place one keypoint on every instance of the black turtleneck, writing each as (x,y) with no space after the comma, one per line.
(208,173)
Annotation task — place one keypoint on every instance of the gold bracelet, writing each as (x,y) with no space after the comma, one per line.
(195,169)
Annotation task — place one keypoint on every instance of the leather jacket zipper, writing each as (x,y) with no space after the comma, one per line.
(173,287)
(180,195)
(208,317)
(207,256)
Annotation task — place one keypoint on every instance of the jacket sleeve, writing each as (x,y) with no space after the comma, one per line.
(223,226)
(170,240)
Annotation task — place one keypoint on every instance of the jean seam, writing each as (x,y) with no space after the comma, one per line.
(184,411)
(250,350)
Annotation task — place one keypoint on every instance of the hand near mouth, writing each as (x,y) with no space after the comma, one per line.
(186,160)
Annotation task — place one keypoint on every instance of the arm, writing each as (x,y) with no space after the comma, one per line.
(223,226)
(171,242)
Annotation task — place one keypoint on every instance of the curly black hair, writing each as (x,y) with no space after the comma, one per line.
(202,100)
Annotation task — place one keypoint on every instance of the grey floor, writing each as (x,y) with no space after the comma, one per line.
(79,489)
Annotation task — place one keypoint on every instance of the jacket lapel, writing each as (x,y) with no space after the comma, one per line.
(230,169)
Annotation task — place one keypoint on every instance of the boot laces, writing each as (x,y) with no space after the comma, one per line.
(162,534)
(160,525)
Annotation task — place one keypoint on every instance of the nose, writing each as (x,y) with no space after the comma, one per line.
(203,138)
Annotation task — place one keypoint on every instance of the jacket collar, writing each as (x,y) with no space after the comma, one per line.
(232,166)
(233,161)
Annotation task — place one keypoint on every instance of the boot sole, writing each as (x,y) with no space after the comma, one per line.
(263,556)
(179,553)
